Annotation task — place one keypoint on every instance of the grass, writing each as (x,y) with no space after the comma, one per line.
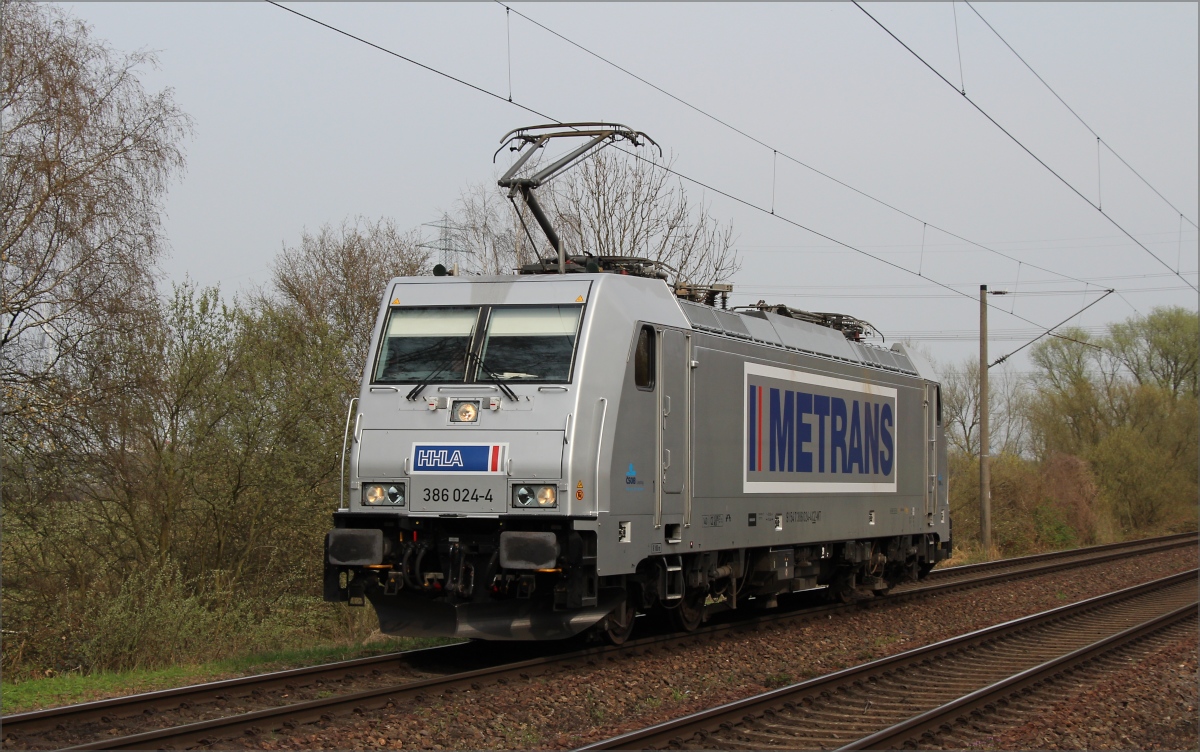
(66,689)
(595,709)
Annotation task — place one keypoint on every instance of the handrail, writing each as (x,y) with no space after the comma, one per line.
(342,466)
(602,408)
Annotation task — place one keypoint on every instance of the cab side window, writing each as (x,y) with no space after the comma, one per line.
(643,359)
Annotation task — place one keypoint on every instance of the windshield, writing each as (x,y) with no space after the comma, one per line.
(426,344)
(530,344)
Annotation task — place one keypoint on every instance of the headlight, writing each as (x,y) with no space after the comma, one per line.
(533,497)
(464,412)
(374,494)
(523,496)
(377,494)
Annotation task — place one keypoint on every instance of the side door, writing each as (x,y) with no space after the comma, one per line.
(932,420)
(674,403)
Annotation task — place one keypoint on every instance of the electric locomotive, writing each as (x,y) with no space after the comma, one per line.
(537,455)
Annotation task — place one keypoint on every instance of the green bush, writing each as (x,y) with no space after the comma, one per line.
(160,619)
(156,619)
(1051,529)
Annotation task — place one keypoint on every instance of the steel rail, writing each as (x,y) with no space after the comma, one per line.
(894,737)
(1065,553)
(33,721)
(729,714)
(956,577)
(289,716)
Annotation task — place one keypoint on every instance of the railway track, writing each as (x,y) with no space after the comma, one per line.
(1091,553)
(285,699)
(887,703)
(979,725)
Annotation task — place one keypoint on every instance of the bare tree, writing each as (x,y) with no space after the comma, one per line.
(488,226)
(87,157)
(614,206)
(338,274)
(1007,422)
(608,205)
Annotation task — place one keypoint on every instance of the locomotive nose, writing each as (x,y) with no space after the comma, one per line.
(468,470)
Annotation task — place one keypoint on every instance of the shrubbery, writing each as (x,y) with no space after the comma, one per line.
(1099,444)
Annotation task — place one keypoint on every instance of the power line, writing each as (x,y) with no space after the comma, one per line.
(775,152)
(794,223)
(955,247)
(974,284)
(948,248)
(435,71)
(785,291)
(968,335)
(1003,358)
(1076,114)
(1165,241)
(1023,146)
(958,46)
(694,181)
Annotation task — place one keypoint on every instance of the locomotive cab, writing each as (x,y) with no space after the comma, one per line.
(473,507)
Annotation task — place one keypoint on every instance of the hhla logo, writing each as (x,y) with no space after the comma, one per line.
(439,458)
(631,480)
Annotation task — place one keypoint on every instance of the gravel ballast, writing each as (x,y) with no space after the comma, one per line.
(1152,704)
(588,703)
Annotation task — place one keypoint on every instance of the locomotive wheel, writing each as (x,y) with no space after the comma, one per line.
(842,588)
(689,614)
(616,633)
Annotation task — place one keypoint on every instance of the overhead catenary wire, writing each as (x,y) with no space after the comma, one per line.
(1003,358)
(1122,297)
(958,46)
(1076,114)
(1016,291)
(893,286)
(775,151)
(508,42)
(891,293)
(423,66)
(956,247)
(969,335)
(774,164)
(794,223)
(706,186)
(921,265)
(1179,251)
(1018,142)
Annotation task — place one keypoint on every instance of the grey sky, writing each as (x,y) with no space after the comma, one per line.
(298,126)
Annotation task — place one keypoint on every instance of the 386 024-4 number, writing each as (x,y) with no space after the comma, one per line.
(457,495)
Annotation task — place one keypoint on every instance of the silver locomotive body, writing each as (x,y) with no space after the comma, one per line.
(533,456)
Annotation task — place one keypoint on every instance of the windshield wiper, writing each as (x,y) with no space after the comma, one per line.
(420,387)
(495,379)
